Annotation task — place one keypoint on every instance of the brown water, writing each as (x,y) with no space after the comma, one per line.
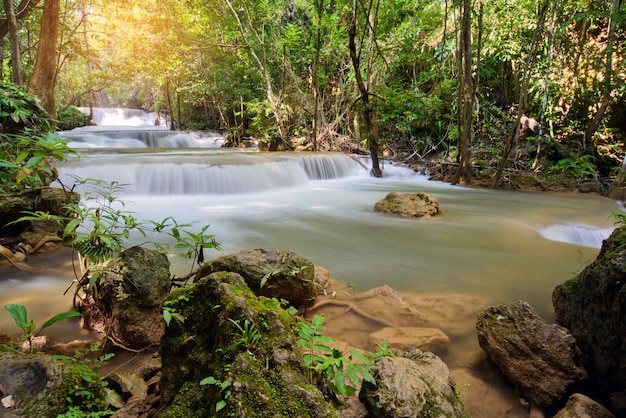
(487,247)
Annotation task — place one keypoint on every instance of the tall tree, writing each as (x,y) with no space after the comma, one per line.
(464,170)
(44,75)
(522,106)
(16,73)
(607,86)
(22,10)
(370,120)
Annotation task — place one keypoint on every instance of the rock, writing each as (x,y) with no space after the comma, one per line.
(581,406)
(47,199)
(127,307)
(415,385)
(265,376)
(40,386)
(592,306)
(408,205)
(404,338)
(540,359)
(272,273)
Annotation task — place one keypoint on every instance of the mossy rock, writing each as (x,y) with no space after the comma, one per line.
(408,205)
(266,377)
(46,386)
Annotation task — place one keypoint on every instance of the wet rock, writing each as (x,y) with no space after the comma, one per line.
(540,359)
(265,375)
(127,307)
(40,385)
(404,338)
(593,307)
(581,406)
(269,272)
(47,199)
(408,205)
(415,385)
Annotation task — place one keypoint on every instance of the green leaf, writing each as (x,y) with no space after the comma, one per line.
(220,405)
(167,317)
(19,314)
(59,317)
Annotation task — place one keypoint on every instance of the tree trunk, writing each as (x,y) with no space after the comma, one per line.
(514,131)
(16,74)
(170,108)
(369,117)
(319,4)
(45,72)
(464,170)
(594,124)
(22,10)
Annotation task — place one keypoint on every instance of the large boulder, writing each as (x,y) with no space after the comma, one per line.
(35,385)
(273,273)
(540,359)
(246,344)
(408,205)
(415,385)
(592,306)
(125,304)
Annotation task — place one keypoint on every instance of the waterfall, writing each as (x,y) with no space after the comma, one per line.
(579,234)
(138,138)
(104,116)
(210,173)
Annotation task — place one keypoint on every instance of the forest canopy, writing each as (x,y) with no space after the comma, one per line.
(530,84)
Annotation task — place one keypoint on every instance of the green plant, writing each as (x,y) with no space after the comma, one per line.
(170,311)
(273,271)
(71,118)
(620,218)
(332,363)
(247,335)
(579,168)
(224,387)
(20,316)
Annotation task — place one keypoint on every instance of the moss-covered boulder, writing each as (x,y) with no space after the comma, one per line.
(408,205)
(242,347)
(593,307)
(270,272)
(125,305)
(46,386)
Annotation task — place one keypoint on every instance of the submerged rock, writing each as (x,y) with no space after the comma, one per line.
(408,205)
(593,307)
(581,406)
(405,338)
(541,359)
(269,272)
(415,385)
(246,344)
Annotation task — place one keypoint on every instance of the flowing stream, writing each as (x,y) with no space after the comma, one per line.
(496,245)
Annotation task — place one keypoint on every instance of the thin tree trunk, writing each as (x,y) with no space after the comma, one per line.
(514,131)
(16,73)
(44,74)
(22,10)
(316,88)
(608,76)
(369,118)
(170,109)
(464,170)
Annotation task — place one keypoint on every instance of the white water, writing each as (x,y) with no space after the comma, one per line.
(134,128)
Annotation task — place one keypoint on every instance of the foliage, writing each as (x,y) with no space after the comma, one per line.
(332,362)
(579,168)
(27,143)
(71,118)
(20,316)
(224,387)
(247,335)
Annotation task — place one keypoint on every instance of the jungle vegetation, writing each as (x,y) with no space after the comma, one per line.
(534,85)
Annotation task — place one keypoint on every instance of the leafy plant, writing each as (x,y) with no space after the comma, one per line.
(332,363)
(579,168)
(170,311)
(247,335)
(20,316)
(224,387)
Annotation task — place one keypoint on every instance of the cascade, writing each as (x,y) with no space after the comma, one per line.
(574,233)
